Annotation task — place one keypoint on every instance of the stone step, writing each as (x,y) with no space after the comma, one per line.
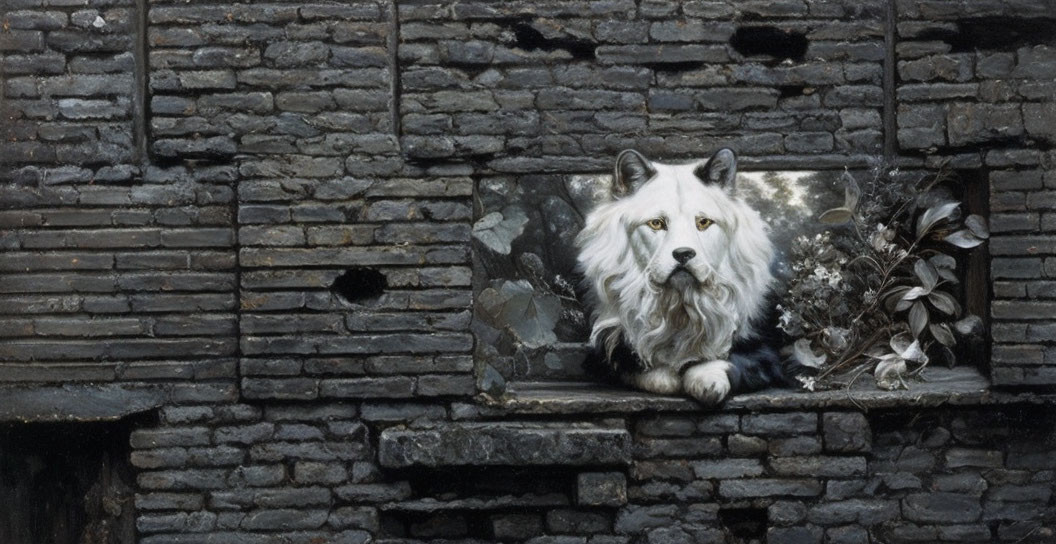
(505,444)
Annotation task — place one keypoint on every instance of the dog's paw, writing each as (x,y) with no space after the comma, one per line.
(664,381)
(709,382)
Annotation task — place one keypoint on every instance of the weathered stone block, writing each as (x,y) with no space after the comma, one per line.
(507,443)
(765,487)
(846,432)
(979,123)
(941,508)
(601,489)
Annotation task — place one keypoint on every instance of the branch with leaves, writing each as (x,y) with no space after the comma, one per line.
(876,291)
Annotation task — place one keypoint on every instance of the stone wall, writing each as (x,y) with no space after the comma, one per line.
(256,221)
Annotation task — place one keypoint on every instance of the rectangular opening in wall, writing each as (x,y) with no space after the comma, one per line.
(66,483)
(866,262)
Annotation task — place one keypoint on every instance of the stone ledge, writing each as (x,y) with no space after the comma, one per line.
(78,402)
(956,386)
(505,444)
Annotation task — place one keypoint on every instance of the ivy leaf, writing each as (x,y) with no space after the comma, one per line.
(517,307)
(945,303)
(934,215)
(977,225)
(918,318)
(498,231)
(929,277)
(942,333)
(836,216)
(964,239)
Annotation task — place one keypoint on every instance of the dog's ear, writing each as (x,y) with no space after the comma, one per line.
(632,171)
(720,169)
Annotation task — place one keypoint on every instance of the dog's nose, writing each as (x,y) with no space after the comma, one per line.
(683,254)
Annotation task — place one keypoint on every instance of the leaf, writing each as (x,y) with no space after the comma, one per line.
(927,274)
(947,356)
(964,239)
(836,216)
(942,333)
(852,192)
(529,315)
(945,266)
(889,372)
(918,318)
(805,355)
(907,347)
(498,231)
(901,342)
(945,303)
(942,261)
(893,298)
(977,225)
(915,293)
(970,325)
(933,215)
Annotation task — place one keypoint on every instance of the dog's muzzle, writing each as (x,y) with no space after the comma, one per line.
(682,278)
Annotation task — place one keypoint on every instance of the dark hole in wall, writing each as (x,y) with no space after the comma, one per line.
(769,41)
(530,39)
(744,525)
(474,499)
(675,66)
(359,284)
(791,91)
(995,34)
(66,483)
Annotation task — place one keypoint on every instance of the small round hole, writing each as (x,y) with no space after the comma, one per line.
(359,284)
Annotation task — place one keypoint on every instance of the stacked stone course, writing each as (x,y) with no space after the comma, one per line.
(255,220)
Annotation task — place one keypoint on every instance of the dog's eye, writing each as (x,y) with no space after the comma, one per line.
(703,223)
(656,224)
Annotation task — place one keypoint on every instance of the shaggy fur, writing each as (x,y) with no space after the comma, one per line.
(679,268)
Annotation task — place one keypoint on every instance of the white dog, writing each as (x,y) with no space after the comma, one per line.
(680,269)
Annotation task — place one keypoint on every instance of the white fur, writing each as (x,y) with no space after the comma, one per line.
(671,322)
(708,382)
(663,380)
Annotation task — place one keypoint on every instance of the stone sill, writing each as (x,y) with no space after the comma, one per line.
(78,402)
(954,387)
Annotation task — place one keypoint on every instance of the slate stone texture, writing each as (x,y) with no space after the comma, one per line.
(257,221)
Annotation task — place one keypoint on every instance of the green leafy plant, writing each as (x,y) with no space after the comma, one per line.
(876,291)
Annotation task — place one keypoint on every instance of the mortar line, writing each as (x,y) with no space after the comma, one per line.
(890,121)
(140,108)
(394,69)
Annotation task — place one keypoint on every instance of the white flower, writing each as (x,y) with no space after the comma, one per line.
(807,381)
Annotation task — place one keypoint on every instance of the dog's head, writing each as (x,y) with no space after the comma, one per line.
(679,218)
(675,259)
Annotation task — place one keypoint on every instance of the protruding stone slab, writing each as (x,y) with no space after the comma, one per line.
(76,402)
(506,443)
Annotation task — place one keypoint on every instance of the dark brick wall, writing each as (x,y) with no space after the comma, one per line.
(982,98)
(258,217)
